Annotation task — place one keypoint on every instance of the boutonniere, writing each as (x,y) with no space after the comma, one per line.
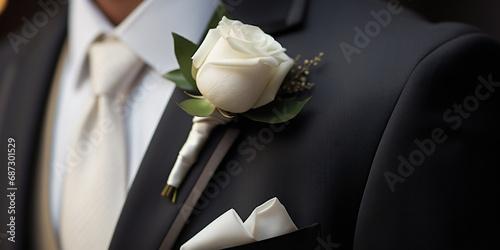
(238,70)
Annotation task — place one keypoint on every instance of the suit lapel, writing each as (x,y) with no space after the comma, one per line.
(27,79)
(147,216)
(145,208)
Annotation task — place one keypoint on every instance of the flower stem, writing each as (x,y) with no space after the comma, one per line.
(169,192)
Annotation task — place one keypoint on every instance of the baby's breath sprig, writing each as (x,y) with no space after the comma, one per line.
(296,81)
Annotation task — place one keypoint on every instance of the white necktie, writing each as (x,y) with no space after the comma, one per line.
(95,183)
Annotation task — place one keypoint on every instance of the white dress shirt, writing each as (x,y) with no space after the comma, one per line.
(148,32)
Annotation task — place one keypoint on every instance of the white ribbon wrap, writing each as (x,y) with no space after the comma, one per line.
(200,131)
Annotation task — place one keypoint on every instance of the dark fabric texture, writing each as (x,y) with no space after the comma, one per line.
(25,78)
(304,238)
(398,149)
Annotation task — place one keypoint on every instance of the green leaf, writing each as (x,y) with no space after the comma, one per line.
(277,111)
(178,78)
(184,50)
(217,16)
(197,107)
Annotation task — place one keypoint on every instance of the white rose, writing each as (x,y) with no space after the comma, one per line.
(239,67)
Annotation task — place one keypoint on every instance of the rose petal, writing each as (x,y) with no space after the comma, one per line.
(274,84)
(206,46)
(239,46)
(242,62)
(234,88)
(226,25)
(222,51)
(242,67)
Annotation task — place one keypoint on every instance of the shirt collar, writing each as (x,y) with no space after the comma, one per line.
(147,30)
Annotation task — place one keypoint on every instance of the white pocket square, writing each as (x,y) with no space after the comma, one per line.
(266,221)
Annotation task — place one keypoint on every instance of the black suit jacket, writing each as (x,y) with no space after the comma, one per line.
(397,149)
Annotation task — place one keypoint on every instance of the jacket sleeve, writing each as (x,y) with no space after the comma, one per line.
(434,182)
